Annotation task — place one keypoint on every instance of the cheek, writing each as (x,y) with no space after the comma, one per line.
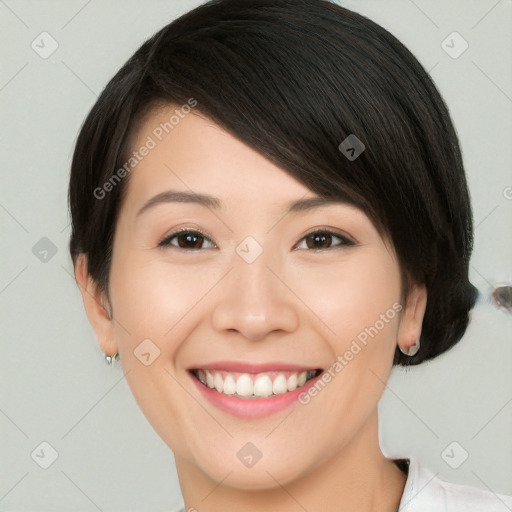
(153,300)
(351,295)
(150,296)
(354,300)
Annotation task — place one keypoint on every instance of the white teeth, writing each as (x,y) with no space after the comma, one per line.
(263,386)
(247,386)
(218,382)
(229,385)
(291,383)
(279,385)
(244,385)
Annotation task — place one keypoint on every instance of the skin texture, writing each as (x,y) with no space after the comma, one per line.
(294,303)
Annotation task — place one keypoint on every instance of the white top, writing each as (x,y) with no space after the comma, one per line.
(425,492)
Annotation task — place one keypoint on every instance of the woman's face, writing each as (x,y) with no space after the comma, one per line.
(261,293)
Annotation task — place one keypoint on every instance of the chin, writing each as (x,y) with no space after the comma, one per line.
(266,474)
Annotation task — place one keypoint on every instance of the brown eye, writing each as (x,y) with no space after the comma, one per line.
(324,240)
(186,239)
(319,241)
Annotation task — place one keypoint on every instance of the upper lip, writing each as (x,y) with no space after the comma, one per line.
(245,367)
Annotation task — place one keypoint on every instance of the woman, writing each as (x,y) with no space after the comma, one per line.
(269,211)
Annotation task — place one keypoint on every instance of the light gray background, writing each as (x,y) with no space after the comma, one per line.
(55,386)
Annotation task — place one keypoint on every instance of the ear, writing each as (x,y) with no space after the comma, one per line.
(411,322)
(96,306)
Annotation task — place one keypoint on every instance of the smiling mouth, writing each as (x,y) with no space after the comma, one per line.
(247,385)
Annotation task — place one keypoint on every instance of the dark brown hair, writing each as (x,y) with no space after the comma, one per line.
(293,79)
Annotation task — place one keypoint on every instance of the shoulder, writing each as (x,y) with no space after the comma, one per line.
(424,491)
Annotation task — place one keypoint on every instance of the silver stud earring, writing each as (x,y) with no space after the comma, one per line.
(111,359)
(412,350)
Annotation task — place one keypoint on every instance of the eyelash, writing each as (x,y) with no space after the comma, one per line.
(346,242)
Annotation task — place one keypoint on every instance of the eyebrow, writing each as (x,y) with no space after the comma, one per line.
(174,196)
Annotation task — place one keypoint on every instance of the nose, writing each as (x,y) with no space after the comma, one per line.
(255,300)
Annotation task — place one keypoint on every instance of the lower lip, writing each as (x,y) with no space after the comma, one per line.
(252,407)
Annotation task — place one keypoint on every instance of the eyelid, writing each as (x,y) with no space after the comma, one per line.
(165,242)
(346,240)
(334,231)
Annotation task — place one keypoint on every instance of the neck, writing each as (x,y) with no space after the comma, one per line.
(359,477)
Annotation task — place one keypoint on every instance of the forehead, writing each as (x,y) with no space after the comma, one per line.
(191,155)
(196,154)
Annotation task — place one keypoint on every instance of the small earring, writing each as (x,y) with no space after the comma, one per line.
(412,350)
(111,359)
